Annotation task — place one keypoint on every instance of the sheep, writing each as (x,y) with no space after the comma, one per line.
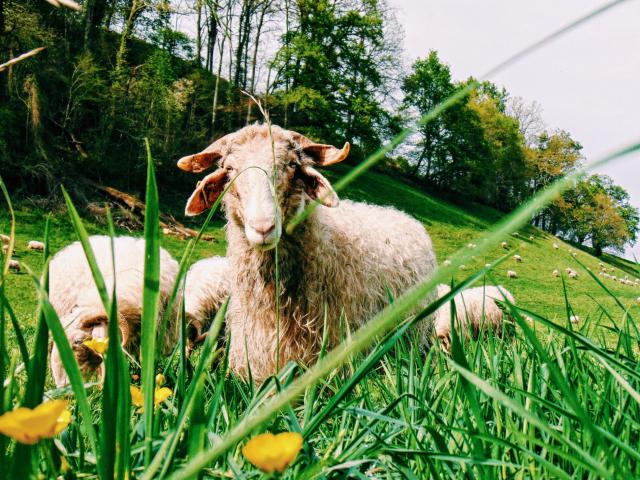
(517,258)
(487,265)
(5,239)
(341,262)
(14,265)
(556,246)
(555,273)
(516,234)
(638,299)
(75,298)
(511,274)
(475,308)
(35,245)
(5,250)
(206,286)
(472,245)
(505,245)
(462,267)
(573,274)
(446,263)
(574,319)
(531,238)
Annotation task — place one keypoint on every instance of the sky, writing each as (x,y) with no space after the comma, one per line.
(587,82)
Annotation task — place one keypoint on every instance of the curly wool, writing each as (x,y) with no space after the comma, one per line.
(475,308)
(75,298)
(340,262)
(206,287)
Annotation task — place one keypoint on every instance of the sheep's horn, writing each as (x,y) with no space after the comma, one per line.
(199,162)
(322,154)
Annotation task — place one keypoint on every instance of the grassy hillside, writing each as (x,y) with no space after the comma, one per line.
(451,227)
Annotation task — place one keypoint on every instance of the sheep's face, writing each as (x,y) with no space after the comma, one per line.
(269,179)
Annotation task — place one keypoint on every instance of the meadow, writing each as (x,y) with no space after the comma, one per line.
(550,400)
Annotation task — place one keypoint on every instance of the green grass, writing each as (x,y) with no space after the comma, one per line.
(547,402)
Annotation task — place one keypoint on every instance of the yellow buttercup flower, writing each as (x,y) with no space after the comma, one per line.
(98,345)
(29,426)
(273,453)
(159,380)
(159,396)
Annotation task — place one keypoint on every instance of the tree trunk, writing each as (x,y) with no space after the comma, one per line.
(95,11)
(597,249)
(217,87)
(199,32)
(252,85)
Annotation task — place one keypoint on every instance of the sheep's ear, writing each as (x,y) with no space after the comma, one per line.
(199,162)
(206,193)
(323,155)
(318,187)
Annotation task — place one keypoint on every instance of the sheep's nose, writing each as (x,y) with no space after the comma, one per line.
(263,227)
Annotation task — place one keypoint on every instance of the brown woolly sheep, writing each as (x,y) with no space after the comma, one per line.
(342,261)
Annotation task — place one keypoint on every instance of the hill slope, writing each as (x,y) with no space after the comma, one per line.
(450,227)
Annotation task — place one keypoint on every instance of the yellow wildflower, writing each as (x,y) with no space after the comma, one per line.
(159,396)
(159,380)
(28,425)
(98,345)
(273,453)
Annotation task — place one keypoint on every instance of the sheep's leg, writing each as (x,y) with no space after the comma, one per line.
(58,372)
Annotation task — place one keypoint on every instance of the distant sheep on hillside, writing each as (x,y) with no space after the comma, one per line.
(511,274)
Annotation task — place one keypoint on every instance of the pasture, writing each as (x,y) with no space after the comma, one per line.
(552,400)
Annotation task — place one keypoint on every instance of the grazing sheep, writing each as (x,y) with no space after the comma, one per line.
(462,267)
(340,262)
(446,263)
(472,245)
(574,254)
(511,274)
(75,298)
(573,274)
(5,250)
(531,238)
(487,265)
(574,318)
(638,299)
(14,265)
(35,245)
(516,234)
(5,238)
(517,258)
(504,245)
(555,273)
(206,287)
(556,246)
(475,307)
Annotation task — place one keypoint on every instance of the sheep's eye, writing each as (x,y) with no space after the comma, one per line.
(229,168)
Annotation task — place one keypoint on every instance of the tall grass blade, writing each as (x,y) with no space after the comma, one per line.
(37,373)
(150,301)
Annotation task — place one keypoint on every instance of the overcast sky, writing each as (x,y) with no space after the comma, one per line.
(588,81)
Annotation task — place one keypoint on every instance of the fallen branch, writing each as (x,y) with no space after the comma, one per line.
(20,58)
(169,225)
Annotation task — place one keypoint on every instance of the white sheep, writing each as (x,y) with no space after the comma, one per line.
(35,245)
(574,319)
(472,245)
(462,267)
(446,263)
(505,245)
(556,246)
(517,258)
(516,234)
(206,287)
(75,298)
(5,239)
(573,274)
(555,273)
(638,299)
(475,308)
(14,265)
(341,262)
(511,274)
(531,238)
